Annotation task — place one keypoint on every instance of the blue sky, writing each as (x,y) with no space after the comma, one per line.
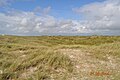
(38,17)
(59,8)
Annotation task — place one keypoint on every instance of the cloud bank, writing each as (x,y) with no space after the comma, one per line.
(30,23)
(99,18)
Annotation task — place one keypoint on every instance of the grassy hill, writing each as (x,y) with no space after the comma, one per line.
(59,57)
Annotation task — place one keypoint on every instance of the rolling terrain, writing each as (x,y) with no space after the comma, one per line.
(59,57)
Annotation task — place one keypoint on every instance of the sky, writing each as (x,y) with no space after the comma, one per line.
(60,17)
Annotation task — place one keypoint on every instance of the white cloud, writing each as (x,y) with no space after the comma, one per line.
(4,2)
(101,16)
(43,11)
(8,2)
(29,23)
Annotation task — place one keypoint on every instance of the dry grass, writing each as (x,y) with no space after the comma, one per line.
(43,57)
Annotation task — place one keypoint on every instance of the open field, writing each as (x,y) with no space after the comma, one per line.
(60,58)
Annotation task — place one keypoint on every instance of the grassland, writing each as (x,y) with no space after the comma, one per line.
(59,57)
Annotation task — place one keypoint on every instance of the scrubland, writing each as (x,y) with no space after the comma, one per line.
(59,57)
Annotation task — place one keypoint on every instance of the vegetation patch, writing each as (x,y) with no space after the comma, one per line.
(57,57)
